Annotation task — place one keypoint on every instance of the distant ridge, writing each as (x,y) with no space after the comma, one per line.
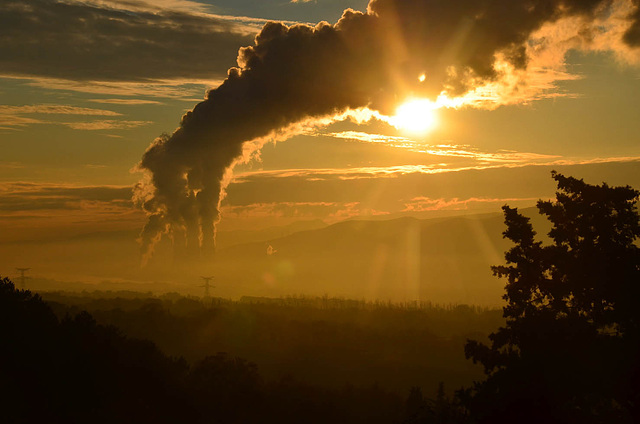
(442,260)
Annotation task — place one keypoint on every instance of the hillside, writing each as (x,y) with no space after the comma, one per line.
(443,260)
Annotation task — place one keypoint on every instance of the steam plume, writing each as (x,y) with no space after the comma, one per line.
(479,53)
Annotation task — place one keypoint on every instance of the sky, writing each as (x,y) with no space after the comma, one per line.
(92,93)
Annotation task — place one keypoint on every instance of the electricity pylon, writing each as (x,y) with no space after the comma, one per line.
(22,277)
(207,286)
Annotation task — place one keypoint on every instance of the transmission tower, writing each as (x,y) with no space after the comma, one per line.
(207,285)
(22,277)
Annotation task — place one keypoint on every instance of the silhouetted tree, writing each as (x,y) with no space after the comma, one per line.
(569,349)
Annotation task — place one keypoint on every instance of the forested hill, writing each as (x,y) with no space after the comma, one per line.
(75,370)
(323,341)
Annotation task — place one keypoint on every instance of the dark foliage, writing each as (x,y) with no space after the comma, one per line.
(322,341)
(441,410)
(570,347)
(74,370)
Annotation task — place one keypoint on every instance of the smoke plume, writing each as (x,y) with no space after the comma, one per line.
(475,53)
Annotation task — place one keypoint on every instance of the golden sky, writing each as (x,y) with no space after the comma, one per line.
(306,124)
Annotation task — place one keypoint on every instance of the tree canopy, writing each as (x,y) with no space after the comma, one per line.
(569,349)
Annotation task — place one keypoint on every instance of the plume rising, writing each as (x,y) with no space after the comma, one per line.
(460,52)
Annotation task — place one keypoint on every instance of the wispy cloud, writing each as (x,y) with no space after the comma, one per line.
(119,40)
(451,150)
(280,209)
(396,141)
(320,174)
(55,110)
(422,204)
(177,89)
(105,125)
(353,210)
(327,211)
(157,5)
(186,6)
(29,194)
(126,101)
(11,165)
(9,121)
(12,117)
(30,211)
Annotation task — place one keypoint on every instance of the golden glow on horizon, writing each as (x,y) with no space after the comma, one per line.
(415,116)
(422,77)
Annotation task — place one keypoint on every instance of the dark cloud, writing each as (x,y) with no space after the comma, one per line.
(85,41)
(632,36)
(455,42)
(302,74)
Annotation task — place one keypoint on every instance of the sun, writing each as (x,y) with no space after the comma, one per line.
(415,116)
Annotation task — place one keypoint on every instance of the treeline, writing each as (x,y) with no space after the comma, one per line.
(321,341)
(74,370)
(109,297)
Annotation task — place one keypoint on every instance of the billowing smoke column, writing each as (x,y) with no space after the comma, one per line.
(301,74)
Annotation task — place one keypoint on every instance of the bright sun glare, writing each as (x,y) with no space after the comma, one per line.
(416,116)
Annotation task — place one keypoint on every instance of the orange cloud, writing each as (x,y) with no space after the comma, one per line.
(126,101)
(461,151)
(105,125)
(422,204)
(31,211)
